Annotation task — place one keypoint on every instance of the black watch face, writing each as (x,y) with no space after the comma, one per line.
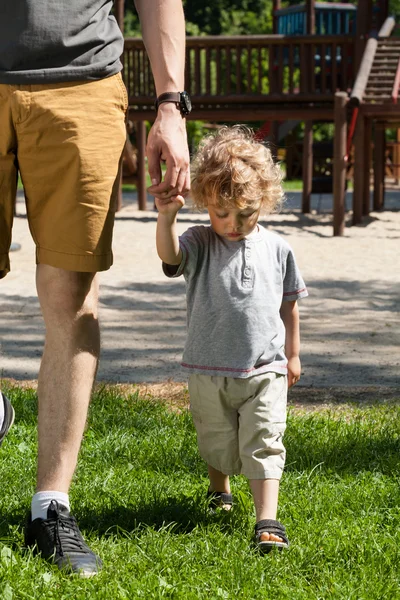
(186,104)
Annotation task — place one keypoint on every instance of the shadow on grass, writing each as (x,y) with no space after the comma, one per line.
(180,515)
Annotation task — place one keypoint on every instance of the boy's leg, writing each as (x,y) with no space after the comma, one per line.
(219,482)
(263,422)
(265,495)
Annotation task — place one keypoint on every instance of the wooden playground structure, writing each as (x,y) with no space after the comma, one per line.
(325,62)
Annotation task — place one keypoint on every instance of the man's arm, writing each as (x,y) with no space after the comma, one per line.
(290,317)
(163,29)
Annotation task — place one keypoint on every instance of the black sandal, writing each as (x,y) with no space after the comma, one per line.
(270,526)
(219,500)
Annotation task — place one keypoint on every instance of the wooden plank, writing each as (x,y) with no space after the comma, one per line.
(291,68)
(197,71)
(218,72)
(280,70)
(208,70)
(379,167)
(260,70)
(307,167)
(323,68)
(334,84)
(238,70)
(249,78)
(367,166)
(271,69)
(339,163)
(228,70)
(256,112)
(358,191)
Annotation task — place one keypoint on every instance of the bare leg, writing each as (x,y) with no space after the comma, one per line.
(265,495)
(69,305)
(219,482)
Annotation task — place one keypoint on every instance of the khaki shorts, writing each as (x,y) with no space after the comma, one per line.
(240,423)
(66,140)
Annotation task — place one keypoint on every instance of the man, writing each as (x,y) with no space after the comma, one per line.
(62,111)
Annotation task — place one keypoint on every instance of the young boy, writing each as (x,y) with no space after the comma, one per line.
(243,340)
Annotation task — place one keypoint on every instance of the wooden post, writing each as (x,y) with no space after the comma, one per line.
(310,17)
(276,4)
(339,163)
(396,155)
(307,167)
(358,179)
(379,167)
(141,146)
(289,143)
(120,13)
(361,31)
(367,167)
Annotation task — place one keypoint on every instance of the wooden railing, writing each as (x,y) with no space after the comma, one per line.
(250,69)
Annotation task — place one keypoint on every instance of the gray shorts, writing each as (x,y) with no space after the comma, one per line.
(240,423)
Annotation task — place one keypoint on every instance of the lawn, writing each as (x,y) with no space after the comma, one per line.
(139,498)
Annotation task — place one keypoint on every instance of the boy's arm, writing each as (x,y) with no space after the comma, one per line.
(290,317)
(163,29)
(166,236)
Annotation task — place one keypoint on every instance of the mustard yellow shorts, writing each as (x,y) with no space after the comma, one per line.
(66,141)
(240,423)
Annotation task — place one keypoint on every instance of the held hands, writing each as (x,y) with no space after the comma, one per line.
(169,206)
(167,142)
(294,370)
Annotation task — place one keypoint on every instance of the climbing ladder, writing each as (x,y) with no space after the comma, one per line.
(384,68)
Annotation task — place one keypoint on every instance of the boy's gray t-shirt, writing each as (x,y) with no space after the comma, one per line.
(50,41)
(234,292)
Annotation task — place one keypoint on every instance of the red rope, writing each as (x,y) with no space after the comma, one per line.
(351,132)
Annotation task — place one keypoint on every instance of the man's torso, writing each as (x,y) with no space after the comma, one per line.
(58,40)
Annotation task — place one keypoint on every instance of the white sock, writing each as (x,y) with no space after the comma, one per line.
(41,502)
(1,410)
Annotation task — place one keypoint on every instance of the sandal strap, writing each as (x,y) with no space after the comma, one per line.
(218,498)
(271,526)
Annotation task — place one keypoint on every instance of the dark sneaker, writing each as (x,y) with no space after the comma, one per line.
(9,415)
(59,541)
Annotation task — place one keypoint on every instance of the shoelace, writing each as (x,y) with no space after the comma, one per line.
(67,537)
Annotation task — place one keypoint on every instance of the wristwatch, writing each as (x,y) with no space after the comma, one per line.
(181,99)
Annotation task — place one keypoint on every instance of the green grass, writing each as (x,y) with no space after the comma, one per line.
(139,493)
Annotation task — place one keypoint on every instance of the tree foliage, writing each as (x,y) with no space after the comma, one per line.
(219,17)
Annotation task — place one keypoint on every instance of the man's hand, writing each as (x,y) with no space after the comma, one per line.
(294,370)
(167,143)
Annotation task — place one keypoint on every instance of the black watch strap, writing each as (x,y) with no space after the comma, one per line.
(181,99)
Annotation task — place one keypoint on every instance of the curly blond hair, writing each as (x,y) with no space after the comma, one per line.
(232,168)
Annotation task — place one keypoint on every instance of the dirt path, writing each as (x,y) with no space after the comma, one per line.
(350,322)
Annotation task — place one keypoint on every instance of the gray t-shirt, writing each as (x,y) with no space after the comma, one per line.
(234,292)
(49,41)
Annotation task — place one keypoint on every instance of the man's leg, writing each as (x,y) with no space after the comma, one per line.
(69,305)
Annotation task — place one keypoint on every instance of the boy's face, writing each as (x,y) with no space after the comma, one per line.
(233,223)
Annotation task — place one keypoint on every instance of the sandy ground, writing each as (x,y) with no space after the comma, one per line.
(350,322)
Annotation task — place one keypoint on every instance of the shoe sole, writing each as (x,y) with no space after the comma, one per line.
(8,407)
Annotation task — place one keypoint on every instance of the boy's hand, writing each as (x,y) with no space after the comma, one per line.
(294,370)
(169,206)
